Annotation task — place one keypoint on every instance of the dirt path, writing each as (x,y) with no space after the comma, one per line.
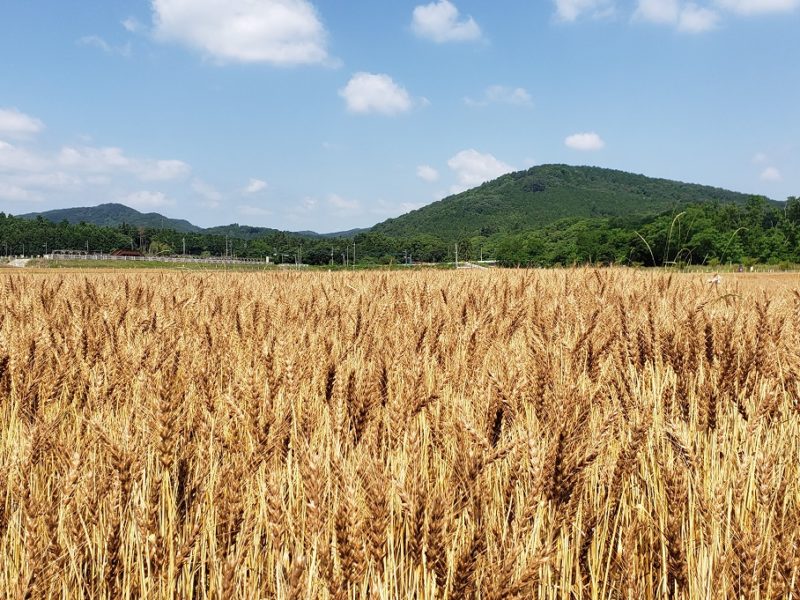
(18,262)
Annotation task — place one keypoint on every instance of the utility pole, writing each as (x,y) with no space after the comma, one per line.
(354,255)
(456,256)
(184,246)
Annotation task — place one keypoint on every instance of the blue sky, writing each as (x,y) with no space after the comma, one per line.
(327,115)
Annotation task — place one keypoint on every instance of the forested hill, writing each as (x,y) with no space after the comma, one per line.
(542,195)
(112,215)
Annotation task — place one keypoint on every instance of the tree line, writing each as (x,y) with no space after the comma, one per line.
(704,233)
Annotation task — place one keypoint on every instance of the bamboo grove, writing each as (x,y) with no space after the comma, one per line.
(521,434)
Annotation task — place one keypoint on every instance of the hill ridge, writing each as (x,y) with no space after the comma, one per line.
(544,194)
(511,203)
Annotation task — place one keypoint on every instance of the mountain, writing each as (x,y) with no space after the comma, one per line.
(510,204)
(241,232)
(336,234)
(111,215)
(545,194)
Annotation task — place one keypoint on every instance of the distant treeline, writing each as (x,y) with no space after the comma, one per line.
(704,233)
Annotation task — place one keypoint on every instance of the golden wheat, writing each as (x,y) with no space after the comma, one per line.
(508,434)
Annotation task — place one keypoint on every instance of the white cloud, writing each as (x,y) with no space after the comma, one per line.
(375,93)
(692,17)
(15,193)
(146,199)
(687,17)
(440,21)
(16,124)
(759,158)
(307,205)
(80,172)
(427,173)
(254,186)
(13,158)
(54,181)
(343,204)
(501,94)
(697,19)
(771,174)
(111,159)
(658,11)
(280,32)
(93,159)
(95,41)
(585,141)
(473,168)
(161,170)
(754,7)
(570,10)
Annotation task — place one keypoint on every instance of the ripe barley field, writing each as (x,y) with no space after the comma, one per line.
(494,435)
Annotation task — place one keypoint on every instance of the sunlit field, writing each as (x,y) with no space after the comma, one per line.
(497,434)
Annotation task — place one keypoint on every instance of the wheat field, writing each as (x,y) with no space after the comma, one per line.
(504,434)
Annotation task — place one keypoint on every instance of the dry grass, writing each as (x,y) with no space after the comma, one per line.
(558,434)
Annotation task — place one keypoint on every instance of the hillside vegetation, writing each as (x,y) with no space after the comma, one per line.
(542,195)
(545,216)
(112,215)
(705,233)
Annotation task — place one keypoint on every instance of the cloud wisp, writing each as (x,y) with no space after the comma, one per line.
(771,175)
(255,186)
(501,94)
(686,16)
(572,10)
(95,41)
